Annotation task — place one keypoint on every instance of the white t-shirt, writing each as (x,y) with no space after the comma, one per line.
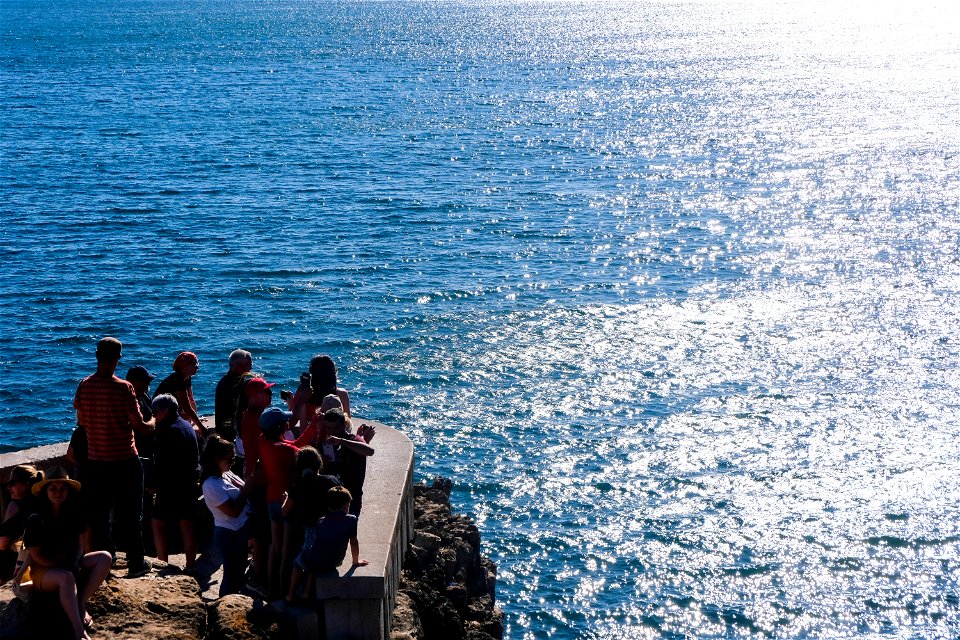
(217,491)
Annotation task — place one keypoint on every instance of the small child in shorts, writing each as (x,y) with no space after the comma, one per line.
(326,547)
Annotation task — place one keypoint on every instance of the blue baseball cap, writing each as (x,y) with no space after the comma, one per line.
(274,417)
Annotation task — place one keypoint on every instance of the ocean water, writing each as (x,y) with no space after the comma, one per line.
(670,289)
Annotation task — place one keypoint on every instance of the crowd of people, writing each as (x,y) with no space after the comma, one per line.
(283,485)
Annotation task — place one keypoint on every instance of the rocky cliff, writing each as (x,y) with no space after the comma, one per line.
(447,587)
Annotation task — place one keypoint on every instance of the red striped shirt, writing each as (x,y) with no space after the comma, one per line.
(107,409)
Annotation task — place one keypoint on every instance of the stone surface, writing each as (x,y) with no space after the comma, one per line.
(447,589)
(406,622)
(162,605)
(238,617)
(155,606)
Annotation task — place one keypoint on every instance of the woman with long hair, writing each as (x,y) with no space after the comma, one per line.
(306,403)
(57,562)
(226,496)
(21,505)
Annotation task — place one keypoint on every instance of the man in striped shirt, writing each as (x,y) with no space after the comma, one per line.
(108,411)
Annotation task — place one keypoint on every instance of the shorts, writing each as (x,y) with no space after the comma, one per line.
(275,511)
(301,564)
(175,503)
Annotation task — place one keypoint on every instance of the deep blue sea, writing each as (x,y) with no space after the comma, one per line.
(670,289)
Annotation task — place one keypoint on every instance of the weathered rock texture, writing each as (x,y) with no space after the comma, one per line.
(160,606)
(447,589)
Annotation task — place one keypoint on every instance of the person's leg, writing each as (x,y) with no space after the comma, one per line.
(259,560)
(159,538)
(292,539)
(294,581)
(274,559)
(63,582)
(311,590)
(94,568)
(129,512)
(189,542)
(258,525)
(356,504)
(98,492)
(234,561)
(211,559)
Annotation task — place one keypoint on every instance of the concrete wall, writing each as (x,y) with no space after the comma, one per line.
(359,603)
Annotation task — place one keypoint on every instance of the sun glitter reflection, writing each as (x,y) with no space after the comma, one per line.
(737,462)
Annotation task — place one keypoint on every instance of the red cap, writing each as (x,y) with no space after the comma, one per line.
(256,385)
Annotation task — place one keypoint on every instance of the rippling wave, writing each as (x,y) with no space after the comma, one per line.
(669,289)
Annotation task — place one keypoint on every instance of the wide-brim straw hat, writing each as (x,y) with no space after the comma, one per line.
(54,474)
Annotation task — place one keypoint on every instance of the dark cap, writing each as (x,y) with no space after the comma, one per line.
(109,348)
(139,373)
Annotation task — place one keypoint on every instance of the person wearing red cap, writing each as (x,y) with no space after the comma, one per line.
(258,395)
(179,384)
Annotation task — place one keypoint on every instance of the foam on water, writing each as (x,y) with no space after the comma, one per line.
(669,289)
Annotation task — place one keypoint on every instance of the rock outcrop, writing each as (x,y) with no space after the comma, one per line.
(447,588)
(165,605)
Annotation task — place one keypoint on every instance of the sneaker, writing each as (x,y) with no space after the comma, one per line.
(142,570)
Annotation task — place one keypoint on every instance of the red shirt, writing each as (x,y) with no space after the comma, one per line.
(107,409)
(279,462)
(250,437)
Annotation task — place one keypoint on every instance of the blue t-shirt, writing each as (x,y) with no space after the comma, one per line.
(329,547)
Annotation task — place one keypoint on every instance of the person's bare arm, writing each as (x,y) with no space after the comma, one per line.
(357,446)
(6,541)
(355,552)
(188,410)
(232,508)
(136,418)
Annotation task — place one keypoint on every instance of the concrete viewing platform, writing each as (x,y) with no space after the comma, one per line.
(359,602)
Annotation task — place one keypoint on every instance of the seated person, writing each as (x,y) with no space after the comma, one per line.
(305,503)
(22,504)
(328,546)
(57,562)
